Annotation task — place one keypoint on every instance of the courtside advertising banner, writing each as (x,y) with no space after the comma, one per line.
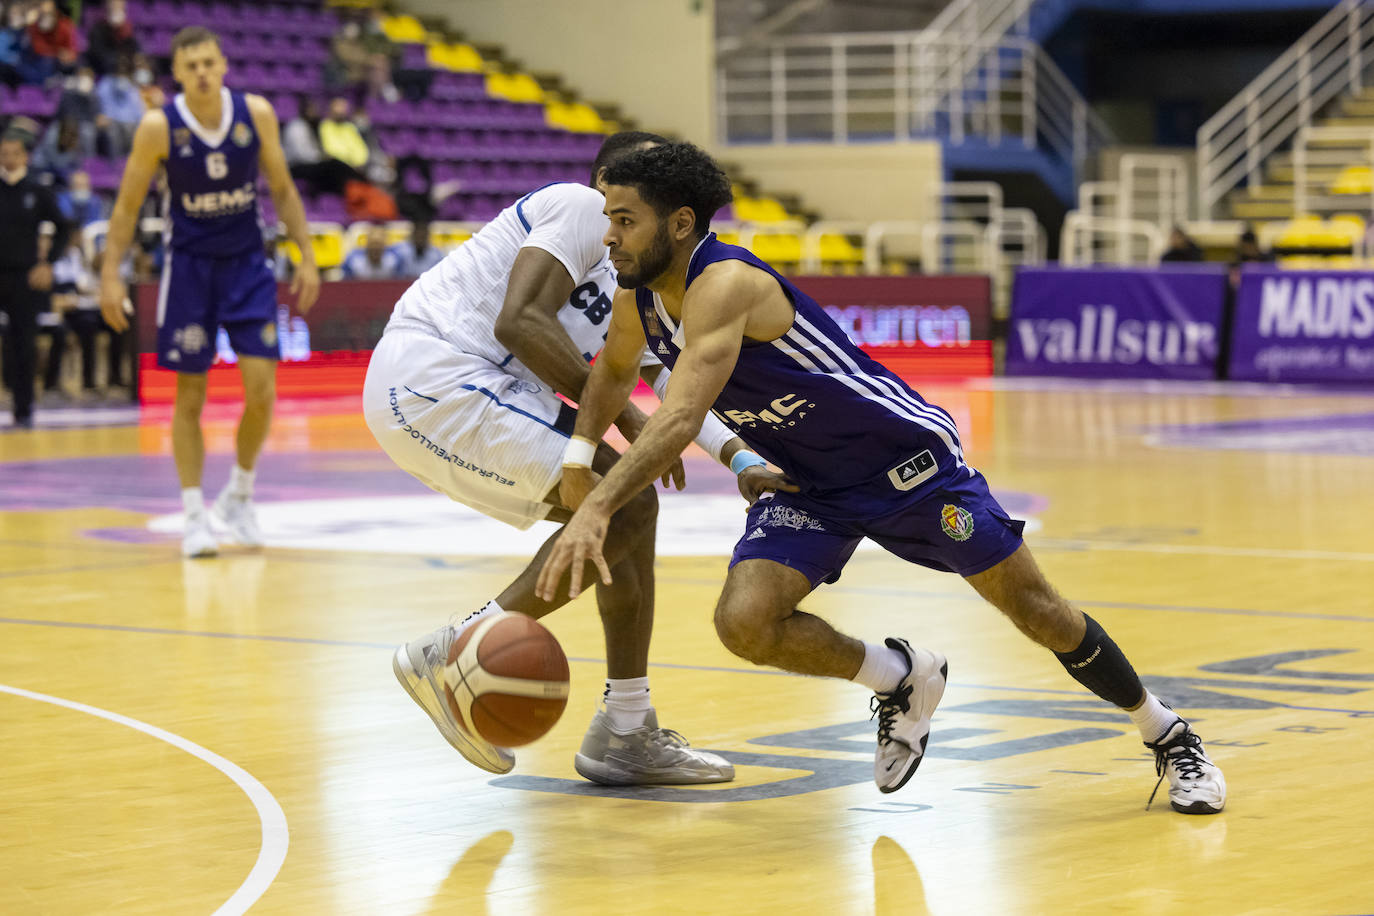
(919,327)
(1093,323)
(1303,326)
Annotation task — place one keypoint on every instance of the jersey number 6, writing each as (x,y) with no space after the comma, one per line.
(215,166)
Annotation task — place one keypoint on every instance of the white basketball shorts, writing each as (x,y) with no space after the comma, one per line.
(463,427)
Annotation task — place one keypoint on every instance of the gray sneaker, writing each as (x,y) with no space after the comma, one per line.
(419,666)
(645,756)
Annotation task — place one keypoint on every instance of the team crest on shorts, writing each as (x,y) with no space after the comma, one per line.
(243,135)
(190,339)
(956,522)
(269,334)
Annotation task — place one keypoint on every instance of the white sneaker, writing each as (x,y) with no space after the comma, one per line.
(904,716)
(197,540)
(645,756)
(1196,785)
(236,513)
(419,666)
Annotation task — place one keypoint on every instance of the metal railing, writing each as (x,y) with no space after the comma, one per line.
(1084,235)
(1331,59)
(1323,158)
(846,87)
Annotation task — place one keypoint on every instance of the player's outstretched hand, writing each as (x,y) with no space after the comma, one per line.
(576,484)
(112,296)
(578,544)
(757,480)
(305,286)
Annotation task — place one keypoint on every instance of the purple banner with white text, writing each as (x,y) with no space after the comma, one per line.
(1303,326)
(1108,323)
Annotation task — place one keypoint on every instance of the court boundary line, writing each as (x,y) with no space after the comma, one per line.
(271,818)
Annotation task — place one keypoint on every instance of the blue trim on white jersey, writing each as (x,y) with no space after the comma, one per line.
(520,204)
(523,413)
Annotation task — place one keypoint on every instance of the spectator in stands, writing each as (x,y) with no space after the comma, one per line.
(52,38)
(111,38)
(64,147)
(418,254)
(374,261)
(340,138)
(1248,248)
(14,44)
(361,57)
(122,107)
(1181,247)
(300,140)
(74,295)
(78,100)
(79,204)
(25,275)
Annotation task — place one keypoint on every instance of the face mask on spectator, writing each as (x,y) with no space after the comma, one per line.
(81,195)
(116,17)
(46,22)
(84,83)
(143,76)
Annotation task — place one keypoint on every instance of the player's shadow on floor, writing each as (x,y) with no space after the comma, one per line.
(465,888)
(897,887)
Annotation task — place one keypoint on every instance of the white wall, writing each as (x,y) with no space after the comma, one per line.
(654,58)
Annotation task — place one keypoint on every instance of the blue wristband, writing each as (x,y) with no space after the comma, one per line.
(744,459)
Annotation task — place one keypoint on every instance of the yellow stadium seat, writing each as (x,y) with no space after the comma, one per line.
(404,30)
(760,210)
(327,243)
(455,56)
(838,249)
(574,116)
(1354,179)
(517,87)
(728,238)
(778,248)
(447,238)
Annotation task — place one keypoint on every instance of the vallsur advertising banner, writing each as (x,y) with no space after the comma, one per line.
(1117,323)
(1303,326)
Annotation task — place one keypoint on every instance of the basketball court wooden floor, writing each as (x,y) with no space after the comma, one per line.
(187,737)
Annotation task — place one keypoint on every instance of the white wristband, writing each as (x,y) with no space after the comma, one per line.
(579,452)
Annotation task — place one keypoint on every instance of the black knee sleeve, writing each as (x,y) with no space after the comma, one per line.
(1100,666)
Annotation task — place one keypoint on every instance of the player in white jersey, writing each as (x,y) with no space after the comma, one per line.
(462,392)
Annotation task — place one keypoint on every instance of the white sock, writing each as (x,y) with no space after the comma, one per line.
(1152,717)
(486,610)
(192,501)
(627,702)
(883,668)
(240,481)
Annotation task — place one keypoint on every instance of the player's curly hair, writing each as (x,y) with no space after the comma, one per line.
(675,175)
(619,145)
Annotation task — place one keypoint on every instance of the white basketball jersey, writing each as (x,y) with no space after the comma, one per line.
(461,296)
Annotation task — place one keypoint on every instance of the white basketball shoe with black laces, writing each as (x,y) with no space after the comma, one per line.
(419,666)
(1196,785)
(645,756)
(904,716)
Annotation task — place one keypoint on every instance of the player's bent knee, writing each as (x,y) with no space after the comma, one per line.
(742,630)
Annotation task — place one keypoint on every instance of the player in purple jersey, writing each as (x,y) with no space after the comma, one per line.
(870,458)
(212,143)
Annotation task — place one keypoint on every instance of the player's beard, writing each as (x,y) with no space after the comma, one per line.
(652,264)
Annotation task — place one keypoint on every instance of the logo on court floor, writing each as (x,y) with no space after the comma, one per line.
(956,522)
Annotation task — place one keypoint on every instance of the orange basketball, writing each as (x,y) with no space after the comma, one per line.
(507,679)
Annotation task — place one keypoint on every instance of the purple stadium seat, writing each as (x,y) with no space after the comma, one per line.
(327,208)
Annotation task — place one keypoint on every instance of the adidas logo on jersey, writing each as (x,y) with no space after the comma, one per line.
(758,533)
(913,471)
(663,349)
